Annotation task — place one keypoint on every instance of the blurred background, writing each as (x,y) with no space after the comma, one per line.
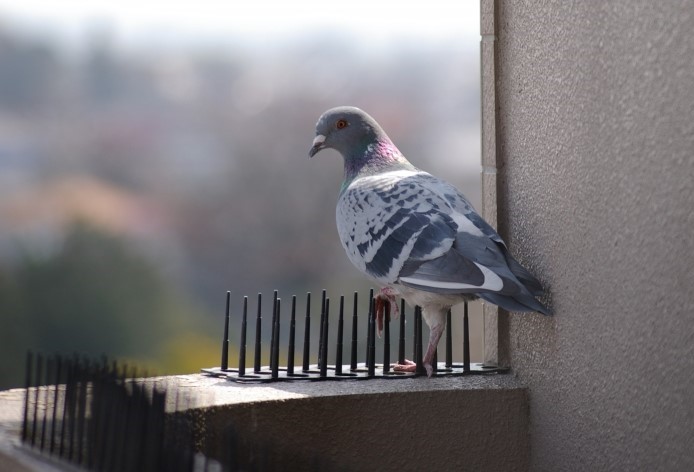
(153,155)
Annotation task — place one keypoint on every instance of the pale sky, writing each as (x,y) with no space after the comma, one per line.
(209,20)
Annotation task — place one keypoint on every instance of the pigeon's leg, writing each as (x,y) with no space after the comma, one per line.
(434,337)
(436,319)
(386,294)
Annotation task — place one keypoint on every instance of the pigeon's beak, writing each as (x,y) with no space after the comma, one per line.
(318,144)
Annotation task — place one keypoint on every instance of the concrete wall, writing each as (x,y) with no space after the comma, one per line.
(595,149)
(475,423)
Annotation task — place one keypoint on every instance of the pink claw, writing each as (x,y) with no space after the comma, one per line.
(385,295)
(407,366)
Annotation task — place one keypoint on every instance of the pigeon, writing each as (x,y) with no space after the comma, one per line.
(415,235)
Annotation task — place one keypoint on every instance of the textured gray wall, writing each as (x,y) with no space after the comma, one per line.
(596,194)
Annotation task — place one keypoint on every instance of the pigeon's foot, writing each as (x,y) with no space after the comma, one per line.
(411,367)
(407,366)
(386,294)
(430,370)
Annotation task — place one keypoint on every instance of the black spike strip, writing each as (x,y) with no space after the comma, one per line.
(124,423)
(386,339)
(466,341)
(420,370)
(307,334)
(95,427)
(242,343)
(368,326)
(321,354)
(355,322)
(324,338)
(46,402)
(63,423)
(71,390)
(401,340)
(276,340)
(73,410)
(58,372)
(435,362)
(292,336)
(121,457)
(156,408)
(82,409)
(258,333)
(93,391)
(111,441)
(116,423)
(323,370)
(340,328)
(37,384)
(136,438)
(371,357)
(225,338)
(415,334)
(449,341)
(95,398)
(102,423)
(27,386)
(273,334)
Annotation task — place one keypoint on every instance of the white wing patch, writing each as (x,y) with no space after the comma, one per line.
(491,282)
(465,225)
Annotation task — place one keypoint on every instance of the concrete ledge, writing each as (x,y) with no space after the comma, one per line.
(462,423)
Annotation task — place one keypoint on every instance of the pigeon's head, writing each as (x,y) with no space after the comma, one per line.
(348,130)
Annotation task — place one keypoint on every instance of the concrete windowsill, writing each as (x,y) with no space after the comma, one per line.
(454,423)
(211,391)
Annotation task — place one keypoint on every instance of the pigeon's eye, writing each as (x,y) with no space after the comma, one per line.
(341,124)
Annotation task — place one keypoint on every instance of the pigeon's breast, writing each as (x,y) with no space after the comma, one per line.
(379,220)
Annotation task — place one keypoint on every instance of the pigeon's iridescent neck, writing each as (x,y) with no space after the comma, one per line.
(379,156)
(382,150)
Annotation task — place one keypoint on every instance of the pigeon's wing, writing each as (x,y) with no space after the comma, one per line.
(409,228)
(461,206)
(384,221)
(390,224)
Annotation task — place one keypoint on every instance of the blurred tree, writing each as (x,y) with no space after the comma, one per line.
(95,296)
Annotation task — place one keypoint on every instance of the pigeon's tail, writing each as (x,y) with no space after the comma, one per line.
(516,302)
(524,276)
(520,289)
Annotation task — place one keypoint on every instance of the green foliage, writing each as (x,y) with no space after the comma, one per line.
(94,296)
